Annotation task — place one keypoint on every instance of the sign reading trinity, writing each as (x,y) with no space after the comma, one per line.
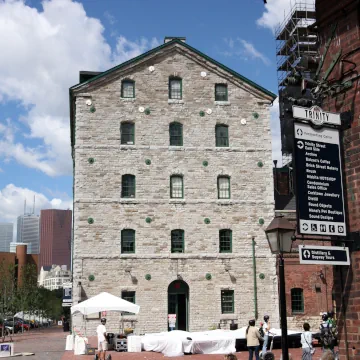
(319,185)
(316,115)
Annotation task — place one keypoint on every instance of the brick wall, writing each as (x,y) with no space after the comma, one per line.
(347,39)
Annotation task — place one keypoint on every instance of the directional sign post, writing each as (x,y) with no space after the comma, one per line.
(324,255)
(319,188)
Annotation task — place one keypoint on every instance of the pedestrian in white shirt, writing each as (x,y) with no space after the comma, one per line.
(102,343)
(306,342)
(266,328)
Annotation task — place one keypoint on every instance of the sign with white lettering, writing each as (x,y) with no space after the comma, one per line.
(324,255)
(319,188)
(316,115)
(67,293)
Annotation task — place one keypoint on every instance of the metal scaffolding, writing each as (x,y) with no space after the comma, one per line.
(293,40)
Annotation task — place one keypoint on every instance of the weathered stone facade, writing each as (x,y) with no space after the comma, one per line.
(97,191)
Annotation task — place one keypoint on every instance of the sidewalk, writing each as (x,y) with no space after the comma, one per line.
(49,344)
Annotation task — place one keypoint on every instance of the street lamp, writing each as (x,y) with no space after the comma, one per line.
(279,234)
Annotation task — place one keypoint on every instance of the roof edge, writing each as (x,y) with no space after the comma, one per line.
(178,41)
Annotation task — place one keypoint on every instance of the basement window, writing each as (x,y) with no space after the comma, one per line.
(227,301)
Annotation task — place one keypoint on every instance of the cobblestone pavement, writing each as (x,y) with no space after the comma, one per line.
(49,344)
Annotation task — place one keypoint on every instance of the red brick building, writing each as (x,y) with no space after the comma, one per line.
(18,260)
(55,237)
(309,288)
(338,21)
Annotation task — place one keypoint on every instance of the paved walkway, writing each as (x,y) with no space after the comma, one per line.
(49,344)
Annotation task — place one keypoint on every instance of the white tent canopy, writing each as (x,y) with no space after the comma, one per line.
(104,302)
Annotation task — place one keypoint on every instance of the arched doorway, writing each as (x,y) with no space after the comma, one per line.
(178,303)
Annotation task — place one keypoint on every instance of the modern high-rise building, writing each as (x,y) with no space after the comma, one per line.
(6,236)
(28,231)
(173,191)
(55,237)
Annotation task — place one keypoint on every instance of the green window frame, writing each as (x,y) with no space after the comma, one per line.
(128,89)
(177,241)
(222,135)
(127,130)
(176,187)
(227,302)
(297,300)
(223,183)
(221,92)
(127,241)
(176,134)
(128,296)
(225,241)
(175,88)
(128,186)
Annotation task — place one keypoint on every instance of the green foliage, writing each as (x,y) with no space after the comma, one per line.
(27,296)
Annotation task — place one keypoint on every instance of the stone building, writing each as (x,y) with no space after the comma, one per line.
(173,190)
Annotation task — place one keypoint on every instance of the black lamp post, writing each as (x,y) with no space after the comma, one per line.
(279,234)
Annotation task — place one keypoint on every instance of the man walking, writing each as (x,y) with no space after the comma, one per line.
(266,328)
(102,343)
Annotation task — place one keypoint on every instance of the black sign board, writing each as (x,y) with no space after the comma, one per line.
(319,189)
(324,255)
(67,294)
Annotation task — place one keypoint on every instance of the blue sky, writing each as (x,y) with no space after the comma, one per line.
(46,43)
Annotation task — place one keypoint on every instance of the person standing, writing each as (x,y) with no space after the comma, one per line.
(102,343)
(306,342)
(253,340)
(326,334)
(266,328)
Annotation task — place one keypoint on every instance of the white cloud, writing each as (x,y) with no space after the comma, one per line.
(12,203)
(126,49)
(42,53)
(276,11)
(110,18)
(244,49)
(250,51)
(275,132)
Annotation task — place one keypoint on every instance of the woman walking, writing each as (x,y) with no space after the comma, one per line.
(306,342)
(253,340)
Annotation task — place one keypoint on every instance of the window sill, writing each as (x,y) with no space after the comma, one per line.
(231,316)
(129,201)
(127,146)
(176,148)
(127,99)
(177,201)
(297,313)
(224,201)
(175,101)
(222,103)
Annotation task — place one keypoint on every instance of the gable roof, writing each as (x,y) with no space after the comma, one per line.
(178,41)
(153,51)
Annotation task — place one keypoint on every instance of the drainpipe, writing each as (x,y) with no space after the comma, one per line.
(255,284)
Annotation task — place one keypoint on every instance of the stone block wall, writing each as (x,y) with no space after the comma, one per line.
(97,193)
